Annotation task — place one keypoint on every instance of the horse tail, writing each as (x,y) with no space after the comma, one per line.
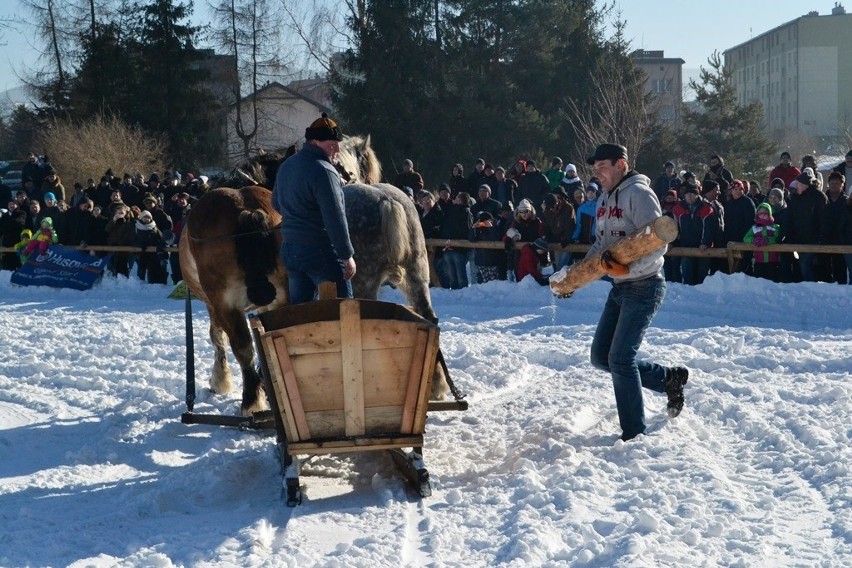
(257,253)
(396,235)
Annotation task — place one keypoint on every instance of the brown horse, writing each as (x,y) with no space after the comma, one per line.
(229,256)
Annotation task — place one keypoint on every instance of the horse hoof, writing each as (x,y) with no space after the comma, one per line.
(251,409)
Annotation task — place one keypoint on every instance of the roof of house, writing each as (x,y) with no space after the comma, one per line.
(299,93)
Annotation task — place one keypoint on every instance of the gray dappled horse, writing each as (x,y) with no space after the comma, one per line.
(229,255)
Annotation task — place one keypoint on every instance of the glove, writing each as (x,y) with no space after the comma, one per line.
(759,241)
(509,244)
(611,266)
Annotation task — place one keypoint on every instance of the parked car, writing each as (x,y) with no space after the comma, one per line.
(12,180)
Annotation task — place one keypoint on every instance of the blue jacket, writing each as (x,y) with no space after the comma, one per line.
(309,195)
(586,215)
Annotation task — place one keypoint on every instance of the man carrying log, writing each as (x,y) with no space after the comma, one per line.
(626,204)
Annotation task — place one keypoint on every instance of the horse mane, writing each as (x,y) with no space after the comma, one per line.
(358,158)
(259,169)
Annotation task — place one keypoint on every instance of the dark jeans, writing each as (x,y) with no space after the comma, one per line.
(151,265)
(767,270)
(455,265)
(628,312)
(807,263)
(836,267)
(307,266)
(671,268)
(694,270)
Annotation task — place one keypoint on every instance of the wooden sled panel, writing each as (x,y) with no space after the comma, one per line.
(356,372)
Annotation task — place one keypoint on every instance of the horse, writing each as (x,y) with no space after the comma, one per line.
(230,255)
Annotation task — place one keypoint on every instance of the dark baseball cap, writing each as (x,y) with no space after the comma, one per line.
(607,152)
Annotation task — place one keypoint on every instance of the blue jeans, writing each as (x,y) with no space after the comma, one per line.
(807,264)
(694,270)
(848,258)
(455,263)
(307,266)
(628,312)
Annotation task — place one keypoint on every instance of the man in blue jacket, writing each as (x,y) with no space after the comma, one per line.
(308,193)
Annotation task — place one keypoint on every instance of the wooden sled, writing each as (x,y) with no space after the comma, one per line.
(652,236)
(347,375)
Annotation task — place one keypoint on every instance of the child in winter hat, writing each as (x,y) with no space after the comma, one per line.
(765,232)
(26,236)
(45,237)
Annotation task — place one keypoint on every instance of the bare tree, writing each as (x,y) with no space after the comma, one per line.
(55,24)
(249,31)
(618,111)
(320,30)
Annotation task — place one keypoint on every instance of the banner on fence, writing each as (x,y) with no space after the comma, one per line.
(61,267)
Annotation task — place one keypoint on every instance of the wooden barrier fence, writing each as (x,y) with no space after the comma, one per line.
(733,252)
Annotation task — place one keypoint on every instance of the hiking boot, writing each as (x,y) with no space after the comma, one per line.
(676,377)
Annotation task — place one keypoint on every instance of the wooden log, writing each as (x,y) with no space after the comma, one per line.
(645,240)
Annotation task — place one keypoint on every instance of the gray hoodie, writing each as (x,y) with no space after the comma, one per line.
(630,205)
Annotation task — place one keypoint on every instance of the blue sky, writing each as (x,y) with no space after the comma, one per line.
(688,29)
(692,30)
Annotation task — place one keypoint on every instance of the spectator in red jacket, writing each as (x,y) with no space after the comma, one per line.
(785,170)
(697,225)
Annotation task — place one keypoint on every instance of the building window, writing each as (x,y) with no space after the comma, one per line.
(662,85)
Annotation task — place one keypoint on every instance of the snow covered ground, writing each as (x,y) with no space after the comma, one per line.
(97,470)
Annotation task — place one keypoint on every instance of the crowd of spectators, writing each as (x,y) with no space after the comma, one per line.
(556,207)
(544,209)
(127,210)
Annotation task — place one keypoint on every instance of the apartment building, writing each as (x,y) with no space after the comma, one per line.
(664,79)
(801,72)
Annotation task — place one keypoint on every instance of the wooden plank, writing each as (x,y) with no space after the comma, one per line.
(326,423)
(293,396)
(387,334)
(377,420)
(353,368)
(327,290)
(384,376)
(383,419)
(415,372)
(429,362)
(319,377)
(279,389)
(316,337)
(354,445)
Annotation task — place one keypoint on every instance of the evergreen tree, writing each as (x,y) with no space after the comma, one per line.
(723,126)
(168,94)
(443,80)
(102,83)
(24,126)
(387,79)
